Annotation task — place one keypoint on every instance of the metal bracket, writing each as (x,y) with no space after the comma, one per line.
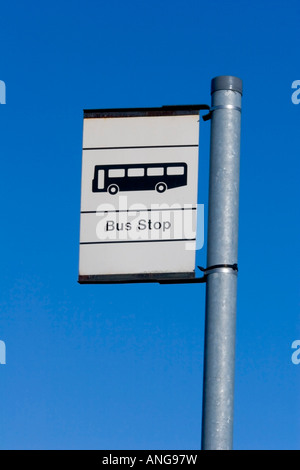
(208,116)
(201,280)
(219,268)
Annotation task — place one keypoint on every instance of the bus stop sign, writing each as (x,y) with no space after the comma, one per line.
(139,194)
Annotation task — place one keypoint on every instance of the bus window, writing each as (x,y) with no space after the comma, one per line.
(116,173)
(100,179)
(136,172)
(175,170)
(155,171)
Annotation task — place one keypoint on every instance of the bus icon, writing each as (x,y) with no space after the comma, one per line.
(139,177)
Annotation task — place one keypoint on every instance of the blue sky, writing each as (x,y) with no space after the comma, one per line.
(120,367)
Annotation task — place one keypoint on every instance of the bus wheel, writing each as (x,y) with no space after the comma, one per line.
(161,187)
(113,189)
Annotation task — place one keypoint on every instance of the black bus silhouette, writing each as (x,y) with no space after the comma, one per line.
(139,177)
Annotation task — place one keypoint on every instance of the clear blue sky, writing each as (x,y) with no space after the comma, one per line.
(120,367)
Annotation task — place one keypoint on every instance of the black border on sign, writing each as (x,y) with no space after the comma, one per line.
(181,110)
(163,278)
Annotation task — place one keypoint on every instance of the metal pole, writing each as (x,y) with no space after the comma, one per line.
(222,250)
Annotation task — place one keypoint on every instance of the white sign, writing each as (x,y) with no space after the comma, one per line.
(139,194)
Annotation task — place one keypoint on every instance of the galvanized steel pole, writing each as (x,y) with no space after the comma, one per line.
(222,251)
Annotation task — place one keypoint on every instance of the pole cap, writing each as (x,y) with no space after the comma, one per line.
(226,82)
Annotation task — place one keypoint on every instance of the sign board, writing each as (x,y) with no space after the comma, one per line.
(139,194)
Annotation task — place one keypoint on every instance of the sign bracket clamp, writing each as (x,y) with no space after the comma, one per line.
(203,279)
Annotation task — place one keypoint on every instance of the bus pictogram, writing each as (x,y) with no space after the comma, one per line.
(139,177)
